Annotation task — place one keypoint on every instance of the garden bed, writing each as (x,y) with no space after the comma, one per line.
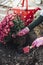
(10,56)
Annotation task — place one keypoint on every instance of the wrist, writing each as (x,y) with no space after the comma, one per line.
(27,29)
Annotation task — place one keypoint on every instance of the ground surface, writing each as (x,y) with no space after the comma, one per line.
(9,56)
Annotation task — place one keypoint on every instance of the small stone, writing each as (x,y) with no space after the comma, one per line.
(4,54)
(18,64)
(9,55)
(6,64)
(36,63)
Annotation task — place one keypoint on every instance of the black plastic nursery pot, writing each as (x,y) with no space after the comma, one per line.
(22,41)
(19,41)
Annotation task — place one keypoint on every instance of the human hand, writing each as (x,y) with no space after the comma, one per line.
(38,42)
(23,31)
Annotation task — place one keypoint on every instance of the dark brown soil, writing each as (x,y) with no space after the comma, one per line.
(10,56)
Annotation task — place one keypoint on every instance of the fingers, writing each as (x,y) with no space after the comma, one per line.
(38,42)
(23,31)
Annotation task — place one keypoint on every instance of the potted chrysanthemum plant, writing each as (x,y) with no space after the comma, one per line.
(9,27)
